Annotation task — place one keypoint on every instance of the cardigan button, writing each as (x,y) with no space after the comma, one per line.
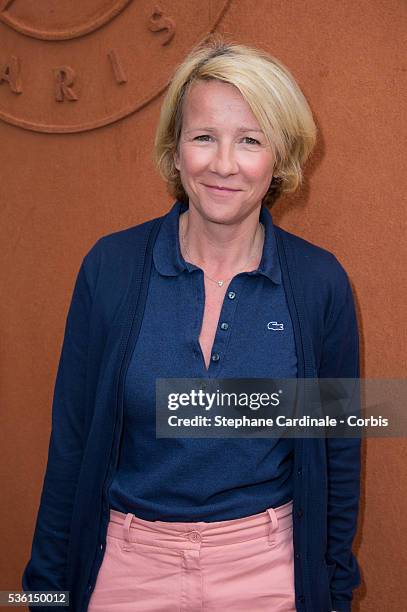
(300,512)
(299,471)
(297,555)
(301,598)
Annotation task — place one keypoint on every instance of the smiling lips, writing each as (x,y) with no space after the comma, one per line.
(216,188)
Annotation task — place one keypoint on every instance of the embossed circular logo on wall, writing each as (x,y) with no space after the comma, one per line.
(70,67)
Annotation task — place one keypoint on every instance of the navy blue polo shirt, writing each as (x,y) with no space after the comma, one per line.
(204,479)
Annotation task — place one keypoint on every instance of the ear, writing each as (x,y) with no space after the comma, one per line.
(176,159)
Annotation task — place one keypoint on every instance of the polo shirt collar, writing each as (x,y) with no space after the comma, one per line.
(167,255)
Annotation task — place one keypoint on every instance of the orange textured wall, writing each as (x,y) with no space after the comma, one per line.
(80,94)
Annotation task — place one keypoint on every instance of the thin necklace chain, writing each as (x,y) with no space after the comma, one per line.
(219,282)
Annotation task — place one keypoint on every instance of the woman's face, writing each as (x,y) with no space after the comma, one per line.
(225,163)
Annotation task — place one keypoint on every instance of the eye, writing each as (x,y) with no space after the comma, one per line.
(203,137)
(251,141)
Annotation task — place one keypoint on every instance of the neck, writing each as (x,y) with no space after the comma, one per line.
(221,249)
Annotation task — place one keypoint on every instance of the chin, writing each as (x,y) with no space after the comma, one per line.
(227,211)
(216,211)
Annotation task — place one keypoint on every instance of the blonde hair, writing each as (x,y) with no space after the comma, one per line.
(270,90)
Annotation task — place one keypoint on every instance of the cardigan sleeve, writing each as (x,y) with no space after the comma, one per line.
(47,565)
(340,359)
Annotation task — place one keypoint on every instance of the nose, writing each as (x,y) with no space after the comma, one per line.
(224,160)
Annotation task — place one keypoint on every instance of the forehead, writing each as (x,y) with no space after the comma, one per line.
(216,101)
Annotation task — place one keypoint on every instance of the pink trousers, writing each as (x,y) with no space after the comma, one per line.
(239,565)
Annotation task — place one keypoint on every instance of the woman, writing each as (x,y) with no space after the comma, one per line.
(129,521)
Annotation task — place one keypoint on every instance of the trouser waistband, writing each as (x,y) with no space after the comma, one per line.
(133,529)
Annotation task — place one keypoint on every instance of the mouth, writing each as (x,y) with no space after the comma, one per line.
(219,188)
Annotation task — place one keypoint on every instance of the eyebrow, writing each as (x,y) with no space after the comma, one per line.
(209,129)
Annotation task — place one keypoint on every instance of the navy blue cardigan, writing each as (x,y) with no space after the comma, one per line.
(101,330)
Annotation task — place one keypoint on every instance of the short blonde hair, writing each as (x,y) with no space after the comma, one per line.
(270,90)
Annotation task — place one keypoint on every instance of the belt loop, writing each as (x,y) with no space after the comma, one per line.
(273,526)
(127,544)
